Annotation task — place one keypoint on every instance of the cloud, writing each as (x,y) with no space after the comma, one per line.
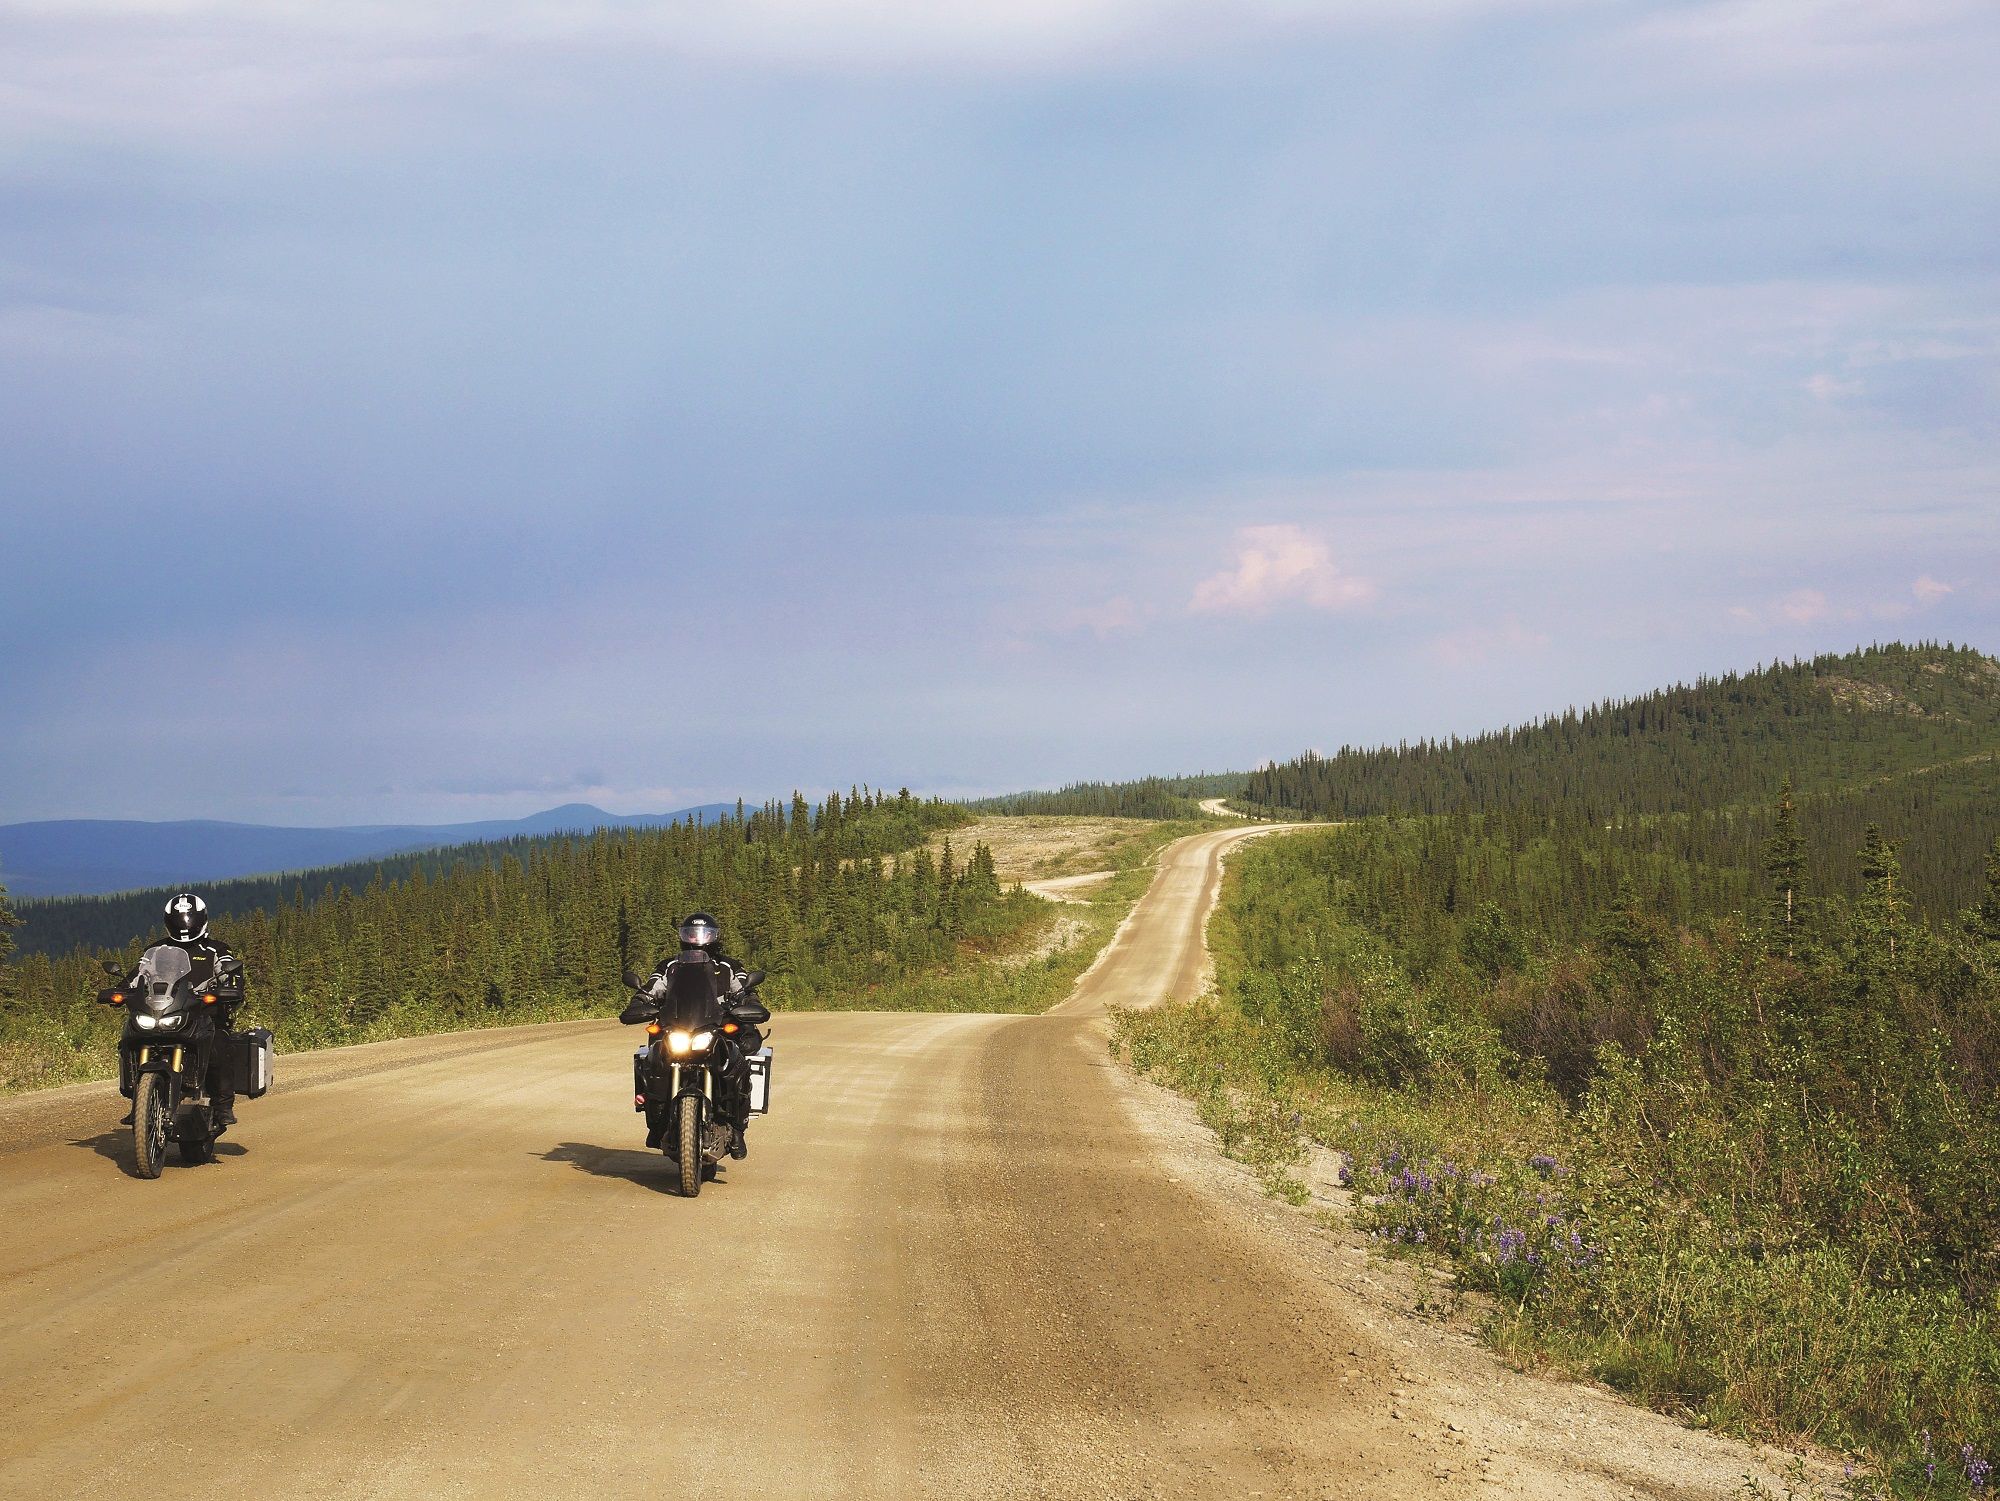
(1476,644)
(189,65)
(1803,606)
(1825,387)
(1929,590)
(1117,616)
(1811,606)
(1277,565)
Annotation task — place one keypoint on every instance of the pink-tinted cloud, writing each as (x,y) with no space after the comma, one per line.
(1280,565)
(1929,590)
(1803,606)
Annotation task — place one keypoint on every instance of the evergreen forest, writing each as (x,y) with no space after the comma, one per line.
(1149,797)
(836,901)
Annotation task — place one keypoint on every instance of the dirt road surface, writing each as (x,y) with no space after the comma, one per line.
(962,1260)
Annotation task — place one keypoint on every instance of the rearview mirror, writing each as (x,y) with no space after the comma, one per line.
(633,982)
(754,979)
(229,966)
(116,971)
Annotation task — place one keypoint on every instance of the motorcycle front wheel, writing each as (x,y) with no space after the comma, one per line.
(688,1141)
(149,1125)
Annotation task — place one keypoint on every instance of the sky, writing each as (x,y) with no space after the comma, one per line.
(439,410)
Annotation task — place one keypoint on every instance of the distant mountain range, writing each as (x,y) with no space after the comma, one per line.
(77,856)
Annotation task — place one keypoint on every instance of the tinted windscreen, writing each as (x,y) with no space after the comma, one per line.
(690,998)
(164,964)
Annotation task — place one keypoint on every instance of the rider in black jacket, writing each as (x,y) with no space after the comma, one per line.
(701,942)
(187,930)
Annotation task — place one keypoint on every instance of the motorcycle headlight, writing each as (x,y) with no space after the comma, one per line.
(168,1023)
(678,1043)
(143,1022)
(702,1040)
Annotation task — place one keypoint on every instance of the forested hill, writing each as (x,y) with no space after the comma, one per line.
(57,925)
(1148,797)
(1833,723)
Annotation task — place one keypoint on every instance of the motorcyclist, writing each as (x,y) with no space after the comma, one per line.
(701,941)
(187,930)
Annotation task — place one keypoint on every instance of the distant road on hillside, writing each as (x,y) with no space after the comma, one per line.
(78,856)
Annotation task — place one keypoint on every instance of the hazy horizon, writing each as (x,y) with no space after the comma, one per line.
(432,414)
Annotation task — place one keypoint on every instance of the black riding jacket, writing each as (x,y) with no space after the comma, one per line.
(645,1003)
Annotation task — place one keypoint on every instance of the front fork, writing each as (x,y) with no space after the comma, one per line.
(166,1058)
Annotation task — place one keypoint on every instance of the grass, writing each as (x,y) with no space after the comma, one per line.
(1009,975)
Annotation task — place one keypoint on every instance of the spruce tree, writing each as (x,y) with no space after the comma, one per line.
(1882,899)
(1989,906)
(8,922)
(1785,863)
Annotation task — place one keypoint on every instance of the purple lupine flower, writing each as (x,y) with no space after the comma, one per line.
(1544,1164)
(1977,1471)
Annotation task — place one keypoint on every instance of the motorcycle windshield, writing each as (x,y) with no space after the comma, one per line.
(161,968)
(690,1000)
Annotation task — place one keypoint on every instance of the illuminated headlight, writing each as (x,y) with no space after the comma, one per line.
(702,1041)
(678,1043)
(143,1022)
(168,1023)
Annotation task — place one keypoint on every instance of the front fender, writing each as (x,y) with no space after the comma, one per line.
(166,1059)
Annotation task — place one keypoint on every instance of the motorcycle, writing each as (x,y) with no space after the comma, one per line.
(172,1044)
(704,1062)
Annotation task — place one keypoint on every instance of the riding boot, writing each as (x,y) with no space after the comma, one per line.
(222,1106)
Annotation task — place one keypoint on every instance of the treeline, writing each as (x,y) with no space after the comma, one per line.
(1419,877)
(1835,721)
(55,925)
(832,900)
(1150,797)
(1723,1134)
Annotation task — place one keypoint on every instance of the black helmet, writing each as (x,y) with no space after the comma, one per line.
(700,931)
(187,918)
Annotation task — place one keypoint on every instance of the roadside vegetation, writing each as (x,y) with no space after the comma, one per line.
(1032,967)
(869,902)
(1717,1122)
(1038,847)
(845,903)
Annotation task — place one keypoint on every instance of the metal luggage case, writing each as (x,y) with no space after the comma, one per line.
(255,1053)
(760,1081)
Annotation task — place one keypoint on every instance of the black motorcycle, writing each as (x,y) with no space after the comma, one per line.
(171,1049)
(705,1066)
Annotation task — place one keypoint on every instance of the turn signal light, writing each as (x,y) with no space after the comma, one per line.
(117,997)
(209,999)
(652,1029)
(729,1026)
